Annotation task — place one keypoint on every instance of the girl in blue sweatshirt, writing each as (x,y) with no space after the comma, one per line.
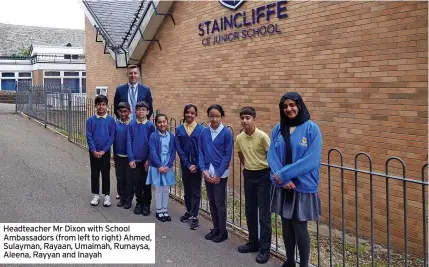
(294,157)
(215,151)
(187,136)
(161,158)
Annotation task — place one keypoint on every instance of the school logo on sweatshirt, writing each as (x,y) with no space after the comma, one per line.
(303,141)
(232,4)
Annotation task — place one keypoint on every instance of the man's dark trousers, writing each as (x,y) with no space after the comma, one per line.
(257,185)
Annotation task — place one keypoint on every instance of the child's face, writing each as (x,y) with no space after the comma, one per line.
(247,122)
(101,108)
(141,112)
(215,118)
(124,114)
(190,115)
(162,124)
(290,108)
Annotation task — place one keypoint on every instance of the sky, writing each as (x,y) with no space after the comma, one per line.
(45,13)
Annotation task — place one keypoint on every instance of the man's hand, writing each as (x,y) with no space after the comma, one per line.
(277,178)
(289,185)
(132,164)
(146,165)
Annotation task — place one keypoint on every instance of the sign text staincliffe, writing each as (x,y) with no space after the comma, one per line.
(242,19)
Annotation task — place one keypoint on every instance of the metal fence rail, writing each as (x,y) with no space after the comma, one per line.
(362,204)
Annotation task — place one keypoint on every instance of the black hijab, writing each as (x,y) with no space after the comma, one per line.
(286,123)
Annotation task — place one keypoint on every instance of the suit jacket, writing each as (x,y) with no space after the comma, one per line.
(143,94)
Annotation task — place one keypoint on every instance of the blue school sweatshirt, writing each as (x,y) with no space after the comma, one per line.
(120,143)
(187,146)
(138,140)
(217,152)
(155,150)
(306,145)
(100,133)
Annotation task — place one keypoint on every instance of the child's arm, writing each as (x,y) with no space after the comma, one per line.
(308,162)
(182,156)
(201,156)
(112,129)
(172,151)
(224,164)
(240,154)
(130,144)
(89,136)
(154,151)
(272,157)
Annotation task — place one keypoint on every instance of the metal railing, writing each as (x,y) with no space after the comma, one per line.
(374,218)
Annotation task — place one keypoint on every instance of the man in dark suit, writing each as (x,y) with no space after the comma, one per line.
(132,92)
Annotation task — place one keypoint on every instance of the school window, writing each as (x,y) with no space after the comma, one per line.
(52,73)
(84,85)
(8,84)
(72,83)
(25,74)
(8,74)
(52,82)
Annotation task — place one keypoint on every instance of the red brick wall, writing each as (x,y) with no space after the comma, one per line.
(361,68)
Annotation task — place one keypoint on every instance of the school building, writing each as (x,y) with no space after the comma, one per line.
(41,55)
(361,67)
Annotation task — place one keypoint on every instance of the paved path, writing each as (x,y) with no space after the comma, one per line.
(44,178)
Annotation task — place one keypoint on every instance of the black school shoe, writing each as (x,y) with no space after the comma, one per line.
(121,202)
(211,234)
(185,217)
(167,217)
(128,203)
(263,257)
(138,209)
(160,216)
(194,224)
(220,237)
(248,247)
(146,210)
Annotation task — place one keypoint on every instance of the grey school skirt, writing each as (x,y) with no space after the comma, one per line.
(295,205)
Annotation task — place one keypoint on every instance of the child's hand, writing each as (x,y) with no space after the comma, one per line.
(95,154)
(277,178)
(216,180)
(193,169)
(166,169)
(101,153)
(289,185)
(132,164)
(161,169)
(146,165)
(207,177)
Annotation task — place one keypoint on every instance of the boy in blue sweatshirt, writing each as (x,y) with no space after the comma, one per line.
(100,133)
(139,132)
(122,169)
(215,151)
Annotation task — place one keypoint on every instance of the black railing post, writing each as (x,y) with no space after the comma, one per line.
(46,106)
(16,98)
(69,115)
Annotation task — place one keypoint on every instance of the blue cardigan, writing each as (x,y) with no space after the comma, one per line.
(100,133)
(187,146)
(120,143)
(217,152)
(306,145)
(155,150)
(143,94)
